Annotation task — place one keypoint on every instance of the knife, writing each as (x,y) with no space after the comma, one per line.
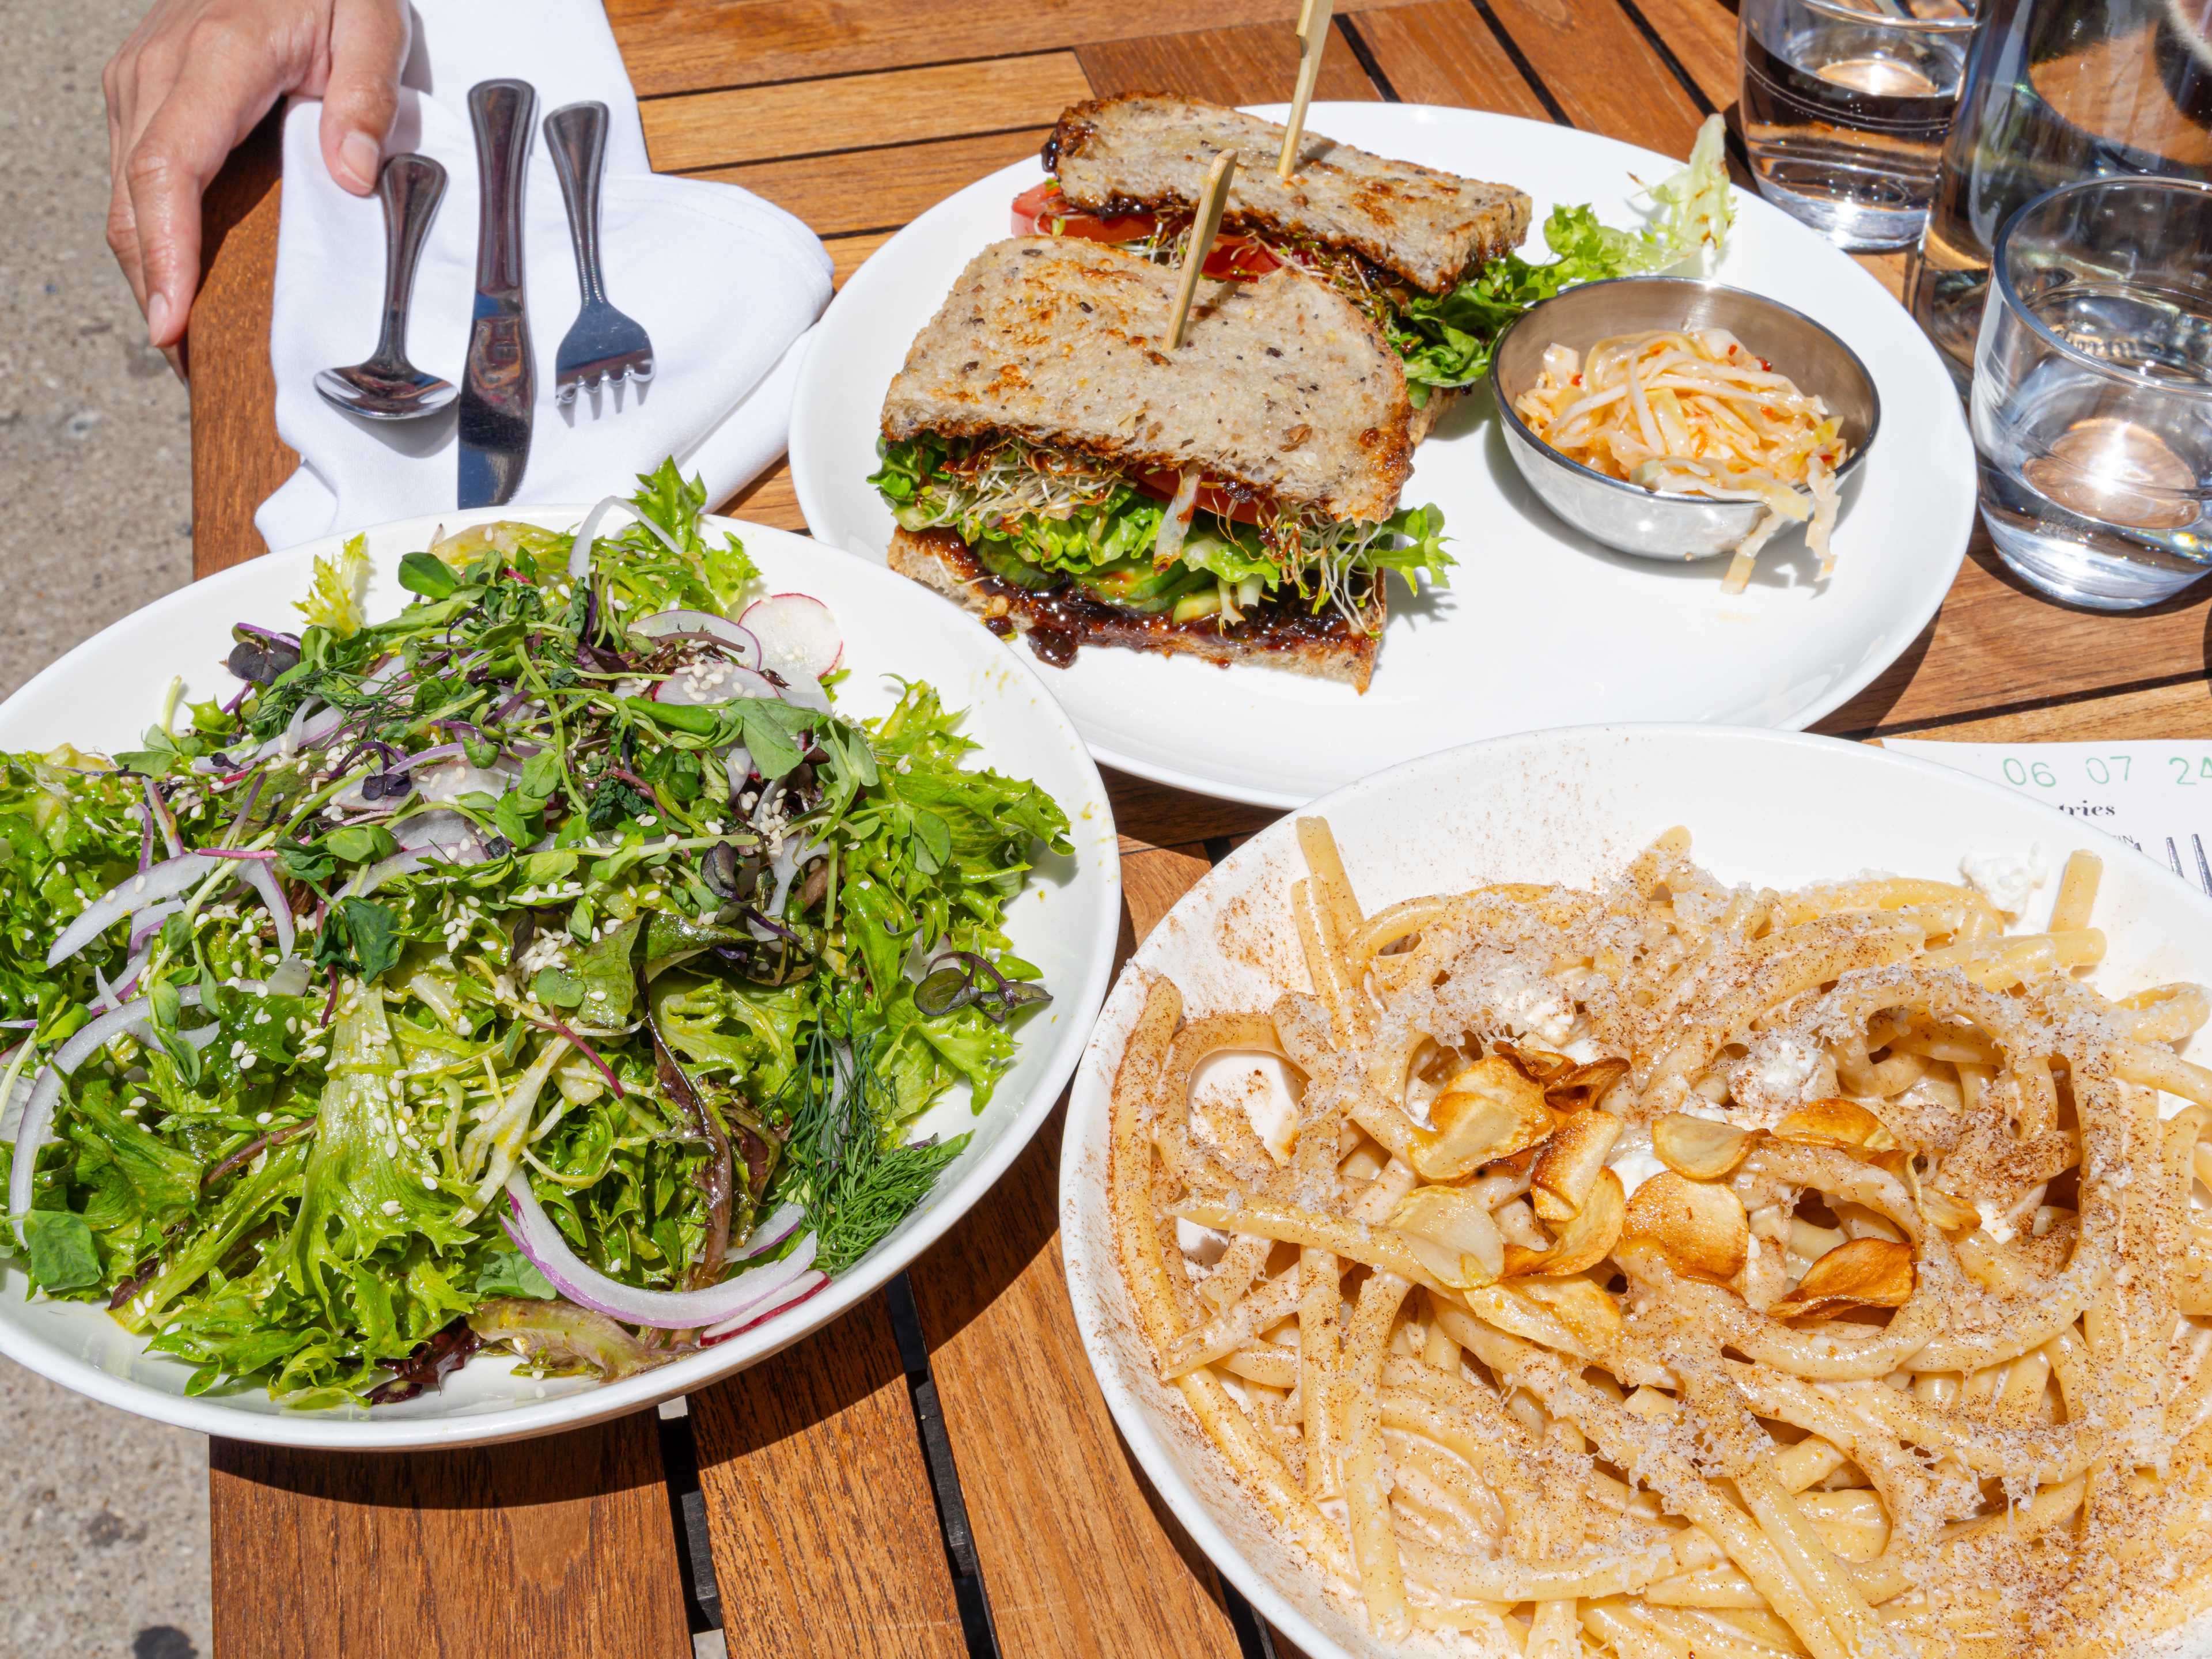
(499,384)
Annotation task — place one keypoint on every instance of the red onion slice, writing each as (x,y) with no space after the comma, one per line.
(781,1224)
(708,685)
(35,1127)
(701,625)
(580,550)
(147,922)
(157,812)
(127,898)
(304,730)
(263,880)
(399,864)
(785,862)
(802,1287)
(536,1237)
(441,830)
(166,881)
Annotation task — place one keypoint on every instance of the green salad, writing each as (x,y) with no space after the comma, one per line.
(547,966)
(1446,340)
(1041,518)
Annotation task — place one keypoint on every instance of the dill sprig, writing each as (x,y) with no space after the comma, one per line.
(845,1163)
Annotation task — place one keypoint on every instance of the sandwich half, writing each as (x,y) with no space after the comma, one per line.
(1056,467)
(1395,239)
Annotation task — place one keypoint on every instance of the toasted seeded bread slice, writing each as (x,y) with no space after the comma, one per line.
(1281,385)
(1431,414)
(1144,150)
(1282,635)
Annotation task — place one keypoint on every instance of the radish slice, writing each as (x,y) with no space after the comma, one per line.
(536,1237)
(798,634)
(701,625)
(802,1287)
(703,684)
(803,693)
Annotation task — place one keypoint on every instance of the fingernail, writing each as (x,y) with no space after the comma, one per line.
(359,155)
(157,318)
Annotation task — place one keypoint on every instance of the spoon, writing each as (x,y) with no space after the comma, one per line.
(388,387)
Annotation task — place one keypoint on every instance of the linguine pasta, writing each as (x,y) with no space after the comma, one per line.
(1693,412)
(1670,1270)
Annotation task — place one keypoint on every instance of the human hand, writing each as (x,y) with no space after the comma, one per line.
(192,81)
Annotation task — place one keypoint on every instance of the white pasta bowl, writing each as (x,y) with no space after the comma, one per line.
(103,694)
(1567,807)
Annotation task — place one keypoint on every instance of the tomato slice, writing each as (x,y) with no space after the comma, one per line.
(1220,503)
(1239,257)
(1043,210)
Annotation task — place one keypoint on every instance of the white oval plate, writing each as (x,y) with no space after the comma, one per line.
(103,695)
(1541,627)
(1767,808)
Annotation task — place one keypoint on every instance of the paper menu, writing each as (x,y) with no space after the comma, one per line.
(2156,796)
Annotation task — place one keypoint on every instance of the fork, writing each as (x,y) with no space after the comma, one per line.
(603,346)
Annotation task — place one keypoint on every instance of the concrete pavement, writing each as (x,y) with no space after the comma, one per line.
(103,1518)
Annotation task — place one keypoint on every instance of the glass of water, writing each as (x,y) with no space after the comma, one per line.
(1845,104)
(2092,392)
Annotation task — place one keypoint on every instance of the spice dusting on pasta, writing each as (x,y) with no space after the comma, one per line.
(1670,1269)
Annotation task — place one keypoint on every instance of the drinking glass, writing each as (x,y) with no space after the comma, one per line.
(1845,104)
(2057,90)
(2092,392)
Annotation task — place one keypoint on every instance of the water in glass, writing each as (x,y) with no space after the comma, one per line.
(1845,104)
(2057,90)
(2093,405)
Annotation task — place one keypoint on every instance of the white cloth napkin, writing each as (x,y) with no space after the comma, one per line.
(725,284)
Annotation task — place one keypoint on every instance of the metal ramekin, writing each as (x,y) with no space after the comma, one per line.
(1663,524)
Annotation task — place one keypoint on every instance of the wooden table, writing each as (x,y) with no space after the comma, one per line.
(936,1473)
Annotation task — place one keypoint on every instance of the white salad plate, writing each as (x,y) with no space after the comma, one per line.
(1541,627)
(1766,808)
(103,694)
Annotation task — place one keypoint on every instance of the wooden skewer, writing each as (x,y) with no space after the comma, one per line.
(1212,199)
(1313,36)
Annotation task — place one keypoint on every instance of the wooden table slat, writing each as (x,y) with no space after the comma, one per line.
(882,188)
(1996,644)
(769,500)
(540,1547)
(2180,710)
(1604,75)
(237,457)
(824,1528)
(1255,63)
(1064,1525)
(1701,34)
(1442,51)
(687,48)
(759,124)
(848,253)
